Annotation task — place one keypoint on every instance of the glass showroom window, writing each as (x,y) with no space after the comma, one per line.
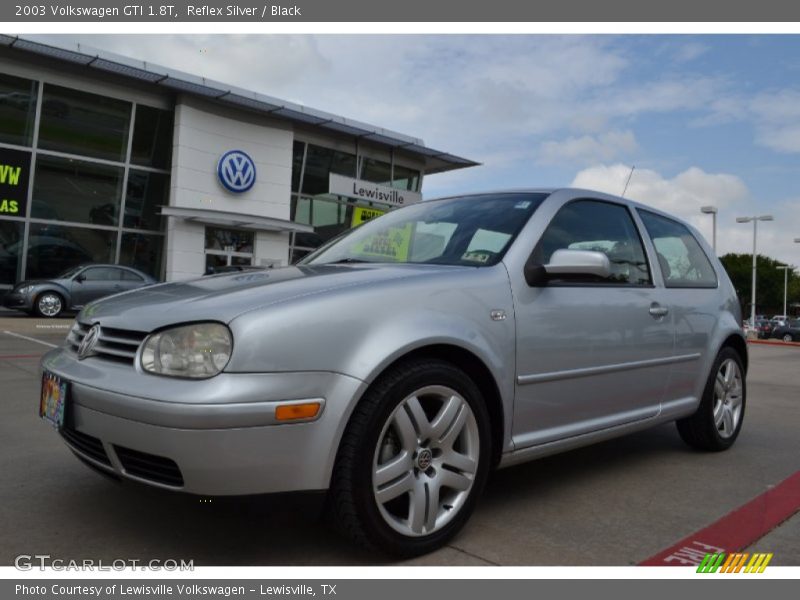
(405,179)
(376,171)
(79,191)
(76,122)
(320,163)
(52,249)
(142,251)
(146,192)
(152,137)
(10,251)
(17,110)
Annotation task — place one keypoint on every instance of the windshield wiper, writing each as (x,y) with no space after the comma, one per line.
(346,261)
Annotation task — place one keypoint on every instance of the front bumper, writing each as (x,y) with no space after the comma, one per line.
(210,437)
(18,301)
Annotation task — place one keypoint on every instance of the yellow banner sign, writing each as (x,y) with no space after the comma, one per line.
(362,214)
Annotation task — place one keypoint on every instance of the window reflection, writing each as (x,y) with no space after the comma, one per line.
(17,110)
(80,123)
(53,249)
(76,190)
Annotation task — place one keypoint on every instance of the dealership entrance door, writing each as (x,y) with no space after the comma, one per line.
(225,247)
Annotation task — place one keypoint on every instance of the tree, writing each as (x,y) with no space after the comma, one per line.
(769,284)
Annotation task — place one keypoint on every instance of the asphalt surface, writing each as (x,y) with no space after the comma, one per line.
(615,503)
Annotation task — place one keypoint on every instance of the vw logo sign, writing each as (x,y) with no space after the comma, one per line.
(88,342)
(236,171)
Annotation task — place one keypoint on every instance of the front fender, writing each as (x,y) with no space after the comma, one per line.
(360,331)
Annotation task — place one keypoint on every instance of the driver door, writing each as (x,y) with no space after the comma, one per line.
(591,353)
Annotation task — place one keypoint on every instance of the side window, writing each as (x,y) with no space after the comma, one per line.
(130,276)
(101,274)
(602,227)
(683,262)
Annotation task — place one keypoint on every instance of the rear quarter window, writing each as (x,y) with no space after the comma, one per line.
(683,262)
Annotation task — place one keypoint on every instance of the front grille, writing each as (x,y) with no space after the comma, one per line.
(86,444)
(150,467)
(119,345)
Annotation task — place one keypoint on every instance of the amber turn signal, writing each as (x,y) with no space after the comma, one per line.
(292,412)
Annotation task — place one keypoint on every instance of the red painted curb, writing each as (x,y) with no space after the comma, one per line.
(736,530)
(774,343)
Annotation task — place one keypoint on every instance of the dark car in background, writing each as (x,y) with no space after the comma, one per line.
(74,288)
(764,328)
(789,332)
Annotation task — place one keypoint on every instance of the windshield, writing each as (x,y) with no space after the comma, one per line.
(474,231)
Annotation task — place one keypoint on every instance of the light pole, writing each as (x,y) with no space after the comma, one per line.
(785,269)
(712,210)
(755,221)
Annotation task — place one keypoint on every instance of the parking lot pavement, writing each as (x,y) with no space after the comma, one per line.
(615,503)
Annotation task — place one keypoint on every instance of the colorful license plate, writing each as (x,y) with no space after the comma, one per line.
(53,401)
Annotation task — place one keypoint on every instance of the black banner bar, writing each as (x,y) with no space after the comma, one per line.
(265,11)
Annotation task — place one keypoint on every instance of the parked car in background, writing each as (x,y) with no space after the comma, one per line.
(398,364)
(764,328)
(789,332)
(74,288)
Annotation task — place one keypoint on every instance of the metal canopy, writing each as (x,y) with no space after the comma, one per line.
(435,161)
(233,219)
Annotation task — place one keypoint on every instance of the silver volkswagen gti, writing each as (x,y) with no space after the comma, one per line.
(399,363)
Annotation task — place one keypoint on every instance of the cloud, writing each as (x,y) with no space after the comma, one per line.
(589,149)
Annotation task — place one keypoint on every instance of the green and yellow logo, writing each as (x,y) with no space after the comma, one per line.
(734,562)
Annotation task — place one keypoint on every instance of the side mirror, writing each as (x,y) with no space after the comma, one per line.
(80,278)
(572,263)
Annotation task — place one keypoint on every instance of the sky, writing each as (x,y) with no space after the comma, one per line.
(704,119)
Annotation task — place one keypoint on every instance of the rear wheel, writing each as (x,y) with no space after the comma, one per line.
(787,337)
(413,459)
(718,420)
(48,304)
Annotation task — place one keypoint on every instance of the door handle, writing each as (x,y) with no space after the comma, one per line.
(658,311)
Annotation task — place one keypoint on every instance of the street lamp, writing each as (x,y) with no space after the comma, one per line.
(785,269)
(712,210)
(755,221)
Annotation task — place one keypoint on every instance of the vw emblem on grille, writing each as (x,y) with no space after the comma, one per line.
(236,171)
(88,342)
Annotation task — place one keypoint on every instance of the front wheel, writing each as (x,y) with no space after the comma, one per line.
(413,459)
(718,420)
(49,304)
(787,337)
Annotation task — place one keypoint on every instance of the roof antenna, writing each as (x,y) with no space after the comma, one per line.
(625,189)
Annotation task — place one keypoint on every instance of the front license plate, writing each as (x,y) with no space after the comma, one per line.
(53,401)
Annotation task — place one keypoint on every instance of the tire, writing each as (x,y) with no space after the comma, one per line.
(725,397)
(48,305)
(418,440)
(787,337)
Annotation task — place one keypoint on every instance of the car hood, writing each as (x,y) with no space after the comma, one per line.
(38,282)
(224,297)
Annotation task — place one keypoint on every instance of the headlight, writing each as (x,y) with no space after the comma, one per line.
(25,289)
(198,351)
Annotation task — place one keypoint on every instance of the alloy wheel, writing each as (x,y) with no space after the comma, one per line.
(49,305)
(727,398)
(425,461)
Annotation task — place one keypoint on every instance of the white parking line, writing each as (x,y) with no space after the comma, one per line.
(30,339)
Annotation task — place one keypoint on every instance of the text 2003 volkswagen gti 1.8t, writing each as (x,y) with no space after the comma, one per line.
(398,364)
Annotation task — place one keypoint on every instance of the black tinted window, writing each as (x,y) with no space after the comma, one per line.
(102,274)
(130,276)
(683,262)
(600,227)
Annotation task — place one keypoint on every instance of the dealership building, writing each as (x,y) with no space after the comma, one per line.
(109,159)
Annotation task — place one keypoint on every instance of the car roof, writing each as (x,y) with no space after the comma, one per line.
(577,192)
(127,268)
